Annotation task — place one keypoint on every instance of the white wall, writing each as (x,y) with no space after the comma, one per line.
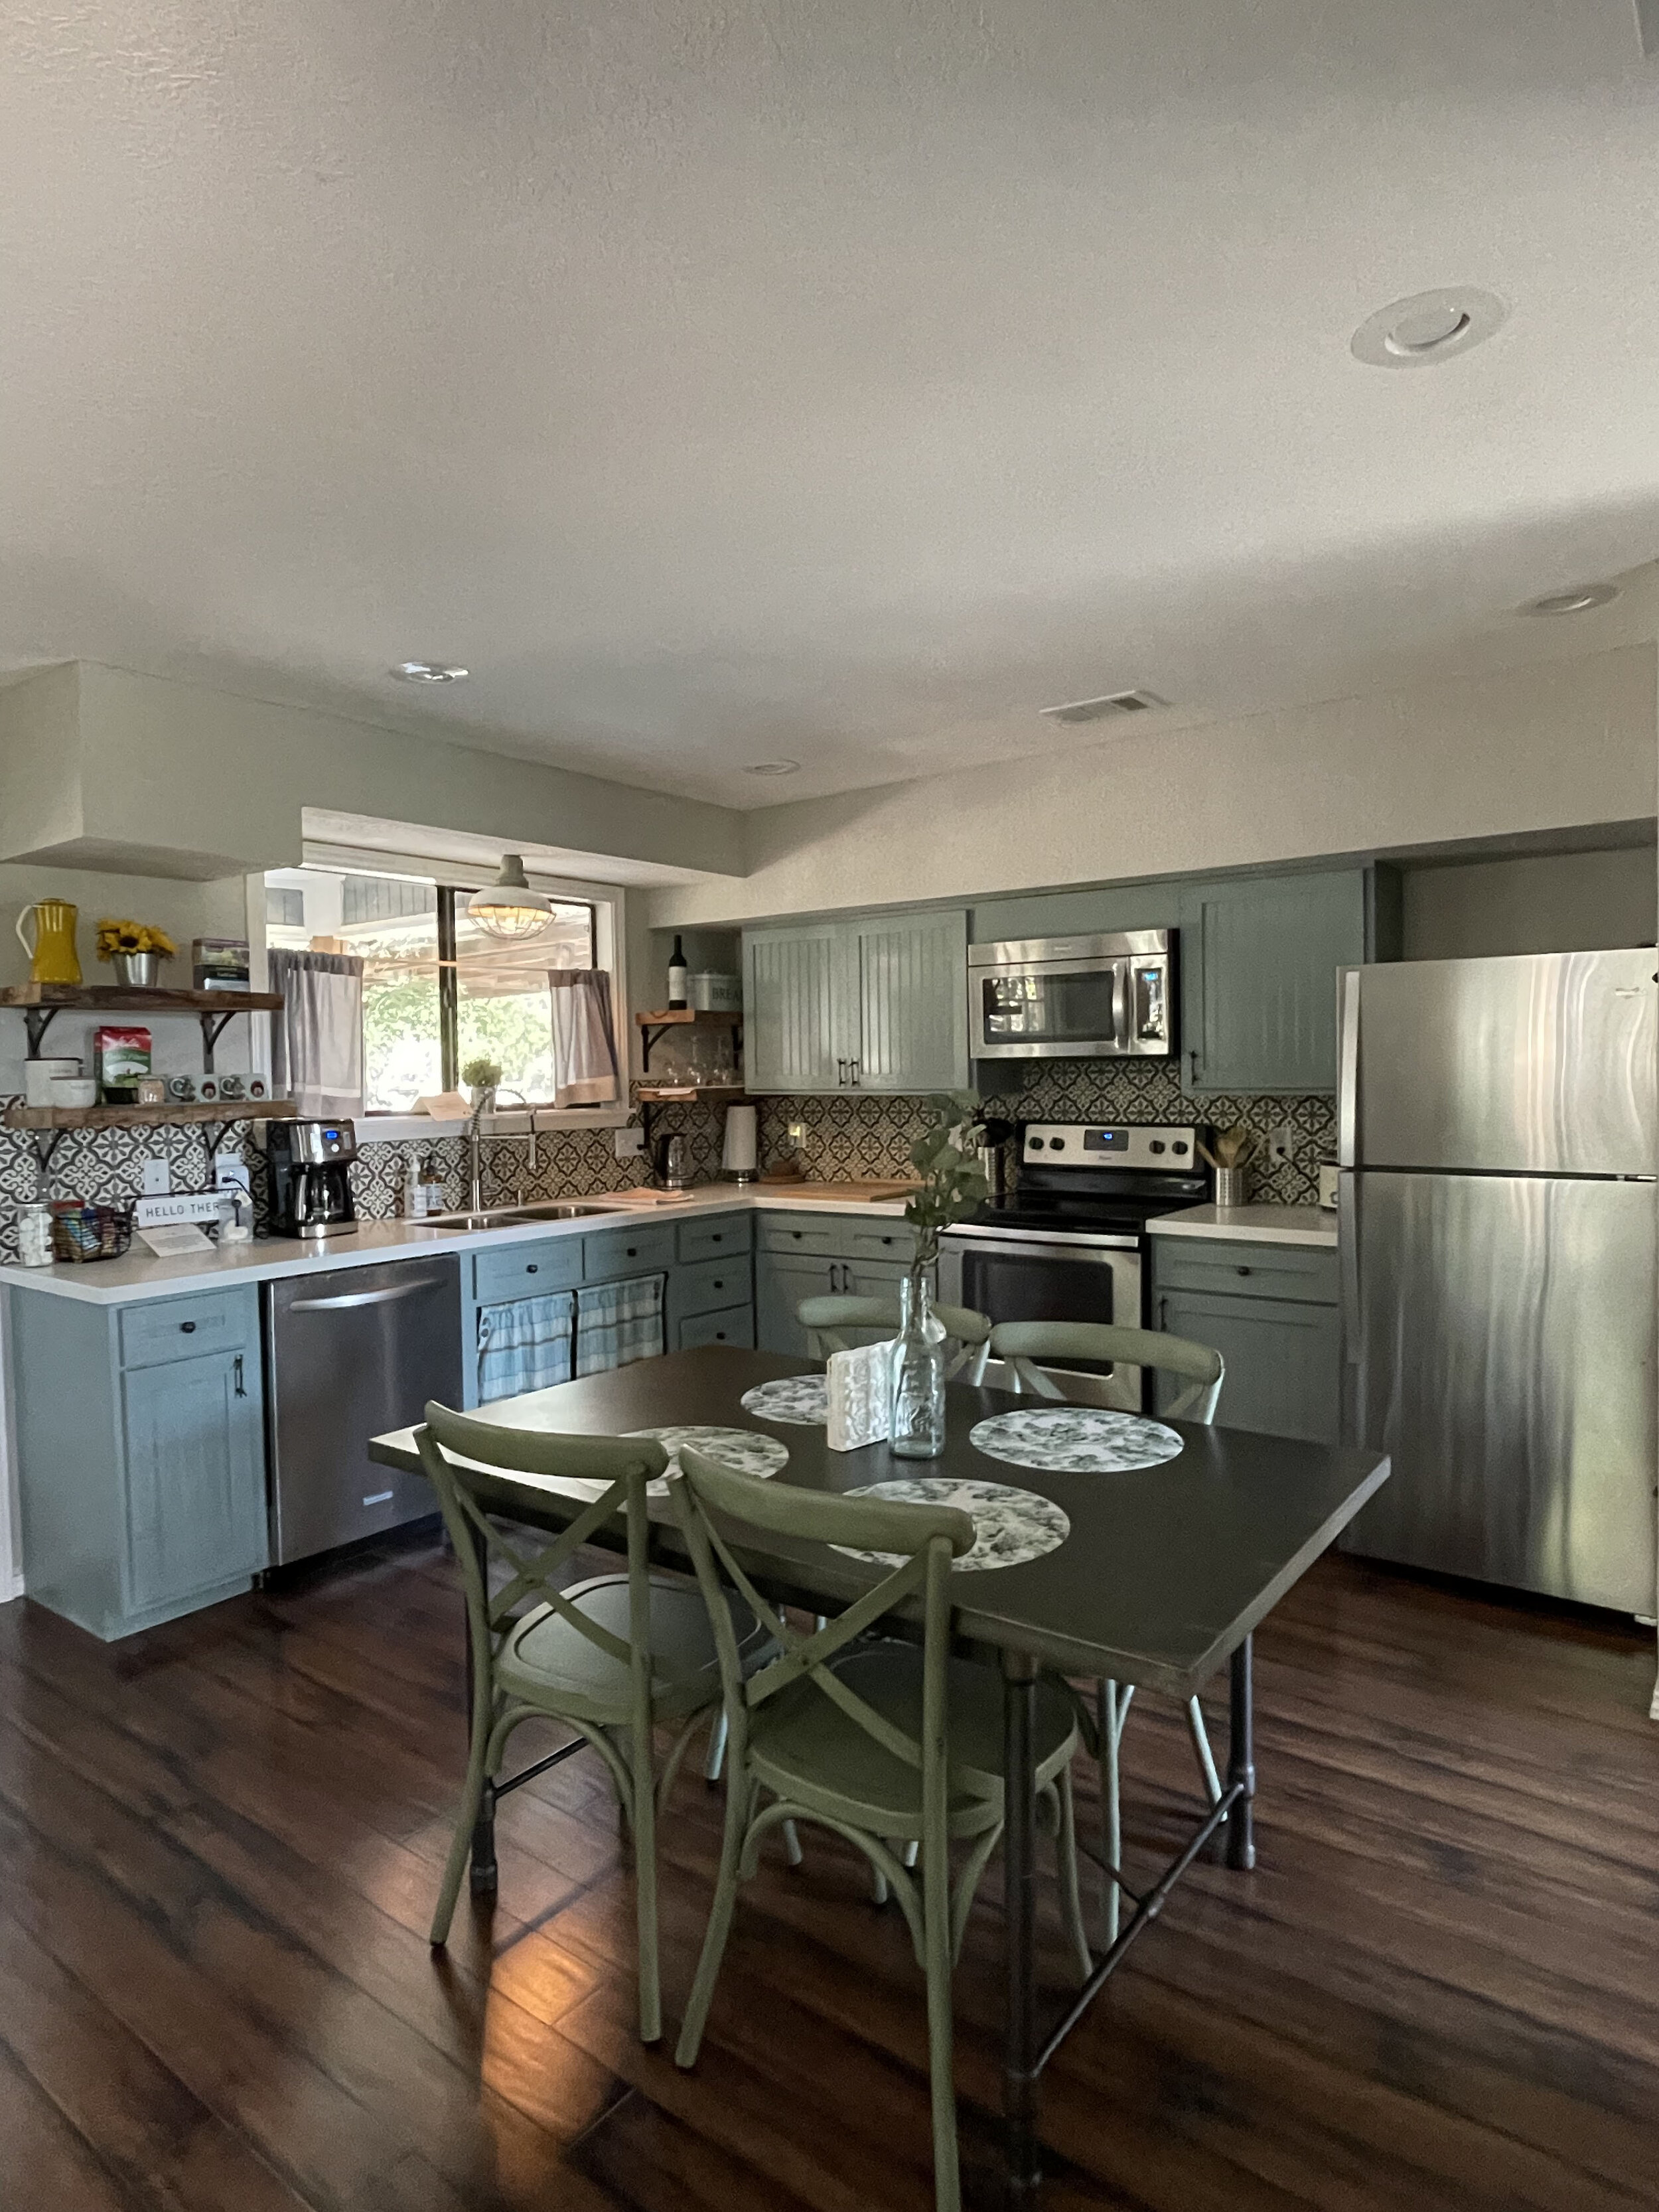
(1545,749)
(1532,902)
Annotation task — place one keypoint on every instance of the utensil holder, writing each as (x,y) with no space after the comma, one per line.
(1232,1186)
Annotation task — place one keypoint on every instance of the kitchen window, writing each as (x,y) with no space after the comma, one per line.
(438,991)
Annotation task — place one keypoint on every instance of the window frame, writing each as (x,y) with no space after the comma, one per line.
(607,902)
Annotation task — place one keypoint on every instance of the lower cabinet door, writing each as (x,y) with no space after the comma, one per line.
(1284,1362)
(736,1325)
(195,1476)
(780,1283)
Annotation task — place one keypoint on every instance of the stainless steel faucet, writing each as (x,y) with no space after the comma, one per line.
(486,1102)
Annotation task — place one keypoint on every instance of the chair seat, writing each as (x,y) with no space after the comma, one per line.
(545,1662)
(804,1748)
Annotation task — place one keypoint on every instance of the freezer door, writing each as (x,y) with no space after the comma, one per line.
(1540,1065)
(1501,1336)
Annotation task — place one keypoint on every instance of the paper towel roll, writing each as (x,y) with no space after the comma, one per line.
(742,1155)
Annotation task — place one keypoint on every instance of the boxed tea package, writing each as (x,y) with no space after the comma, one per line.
(219,963)
(121,1058)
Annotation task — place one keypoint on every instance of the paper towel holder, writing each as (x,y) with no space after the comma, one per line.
(740,1155)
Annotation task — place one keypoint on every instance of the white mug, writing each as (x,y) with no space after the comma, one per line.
(39,1075)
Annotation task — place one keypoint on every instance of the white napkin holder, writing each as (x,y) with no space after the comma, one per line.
(861,1393)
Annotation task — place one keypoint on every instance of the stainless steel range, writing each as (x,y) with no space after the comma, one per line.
(1069,1241)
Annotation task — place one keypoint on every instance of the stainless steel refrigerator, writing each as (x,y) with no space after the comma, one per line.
(1496,1224)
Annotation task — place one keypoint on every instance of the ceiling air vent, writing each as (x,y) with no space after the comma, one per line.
(1096,710)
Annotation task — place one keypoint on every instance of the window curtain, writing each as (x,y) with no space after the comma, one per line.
(525,1345)
(618,1322)
(585,1072)
(317,1041)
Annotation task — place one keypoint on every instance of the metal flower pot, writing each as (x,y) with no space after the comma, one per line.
(137,971)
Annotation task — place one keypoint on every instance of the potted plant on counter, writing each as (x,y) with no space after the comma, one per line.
(946,1157)
(136,951)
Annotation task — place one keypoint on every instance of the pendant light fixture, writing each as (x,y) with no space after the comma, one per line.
(509,909)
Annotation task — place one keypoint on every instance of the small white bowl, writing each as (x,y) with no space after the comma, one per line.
(74,1091)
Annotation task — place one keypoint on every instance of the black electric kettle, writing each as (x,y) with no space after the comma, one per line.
(670,1163)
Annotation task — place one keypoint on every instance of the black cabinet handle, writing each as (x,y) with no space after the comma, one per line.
(1241,1270)
(241,1379)
(187,1328)
(532,1267)
(717,1286)
(632,1253)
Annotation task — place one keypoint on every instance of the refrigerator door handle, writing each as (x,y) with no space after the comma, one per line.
(1347,1075)
(1347,1247)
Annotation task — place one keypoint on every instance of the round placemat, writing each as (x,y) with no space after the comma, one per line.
(1010,1525)
(746,1450)
(801,1400)
(1075,1440)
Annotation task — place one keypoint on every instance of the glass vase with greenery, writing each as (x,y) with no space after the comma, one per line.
(946,1158)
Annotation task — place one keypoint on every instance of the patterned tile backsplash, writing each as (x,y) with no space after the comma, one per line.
(848,1138)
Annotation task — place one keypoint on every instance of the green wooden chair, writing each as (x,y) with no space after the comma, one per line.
(612,1656)
(885,1744)
(1021,1345)
(828,1321)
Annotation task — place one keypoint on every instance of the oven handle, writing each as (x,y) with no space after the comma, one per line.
(1036,1244)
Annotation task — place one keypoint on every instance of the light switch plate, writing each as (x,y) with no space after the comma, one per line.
(797,1133)
(1281,1144)
(156,1177)
(629,1143)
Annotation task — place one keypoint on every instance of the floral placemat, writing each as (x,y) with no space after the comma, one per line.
(746,1450)
(802,1400)
(1010,1525)
(1075,1440)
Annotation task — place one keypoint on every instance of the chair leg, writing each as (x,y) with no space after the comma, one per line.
(645,1884)
(1110,1723)
(1071,1899)
(739,1798)
(466,1821)
(1200,1736)
(711,1765)
(936,1923)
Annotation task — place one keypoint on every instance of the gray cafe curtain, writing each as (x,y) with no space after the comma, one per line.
(317,1041)
(585,1072)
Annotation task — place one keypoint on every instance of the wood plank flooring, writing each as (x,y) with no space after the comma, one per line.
(219,1845)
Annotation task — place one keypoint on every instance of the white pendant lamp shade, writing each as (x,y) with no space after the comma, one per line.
(508,908)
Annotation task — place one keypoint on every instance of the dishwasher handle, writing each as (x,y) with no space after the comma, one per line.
(366,1297)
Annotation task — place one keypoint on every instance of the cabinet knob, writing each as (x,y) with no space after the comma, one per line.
(632,1252)
(1241,1270)
(187,1328)
(532,1267)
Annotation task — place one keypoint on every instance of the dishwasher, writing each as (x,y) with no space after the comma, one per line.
(349,1354)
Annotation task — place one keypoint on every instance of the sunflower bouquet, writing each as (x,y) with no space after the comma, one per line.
(121,941)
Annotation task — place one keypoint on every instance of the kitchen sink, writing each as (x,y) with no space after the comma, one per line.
(510,1217)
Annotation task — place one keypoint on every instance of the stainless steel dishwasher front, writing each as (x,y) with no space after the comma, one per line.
(349,1354)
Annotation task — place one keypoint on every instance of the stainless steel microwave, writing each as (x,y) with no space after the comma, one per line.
(1074,998)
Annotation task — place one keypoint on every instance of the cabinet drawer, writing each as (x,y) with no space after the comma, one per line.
(1254,1271)
(179,1328)
(895,1241)
(732,1325)
(711,1284)
(789,1233)
(627,1252)
(714,1240)
(523,1271)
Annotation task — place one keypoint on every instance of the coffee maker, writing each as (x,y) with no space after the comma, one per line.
(310,1177)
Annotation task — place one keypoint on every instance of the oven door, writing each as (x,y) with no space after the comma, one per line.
(1014,1278)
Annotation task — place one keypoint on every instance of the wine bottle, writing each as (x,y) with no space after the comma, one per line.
(679,980)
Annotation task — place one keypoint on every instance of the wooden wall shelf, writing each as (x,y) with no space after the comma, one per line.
(728,1019)
(149,1117)
(39,1003)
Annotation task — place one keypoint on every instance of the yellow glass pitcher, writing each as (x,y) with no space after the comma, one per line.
(52,957)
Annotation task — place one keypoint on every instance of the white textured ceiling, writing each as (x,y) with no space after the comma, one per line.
(841,380)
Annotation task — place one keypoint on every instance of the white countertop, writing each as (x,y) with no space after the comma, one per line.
(139,1274)
(1251,1225)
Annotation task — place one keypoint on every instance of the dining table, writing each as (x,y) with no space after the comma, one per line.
(1154,1576)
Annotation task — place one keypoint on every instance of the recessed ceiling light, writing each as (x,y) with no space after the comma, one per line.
(772,767)
(1427,328)
(1573,603)
(428,672)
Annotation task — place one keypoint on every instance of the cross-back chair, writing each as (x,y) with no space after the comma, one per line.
(837,1323)
(885,1744)
(610,1656)
(1022,1346)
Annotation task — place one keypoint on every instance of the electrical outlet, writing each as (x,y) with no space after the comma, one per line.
(797,1133)
(156,1178)
(629,1143)
(1281,1144)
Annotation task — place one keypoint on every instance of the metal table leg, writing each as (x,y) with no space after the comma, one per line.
(484,1873)
(1241,1762)
(1020,2060)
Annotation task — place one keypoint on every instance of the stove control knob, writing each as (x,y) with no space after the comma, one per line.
(1157,1145)
(1181,1145)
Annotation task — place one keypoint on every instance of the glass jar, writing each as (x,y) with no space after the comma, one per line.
(918,1421)
(34,1236)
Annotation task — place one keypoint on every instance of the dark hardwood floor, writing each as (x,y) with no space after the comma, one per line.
(219,1845)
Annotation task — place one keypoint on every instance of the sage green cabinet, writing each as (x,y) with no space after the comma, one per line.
(877,1002)
(1259,962)
(141,1454)
(782,1281)
(1273,1317)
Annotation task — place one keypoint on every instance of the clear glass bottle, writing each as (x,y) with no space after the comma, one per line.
(918,1420)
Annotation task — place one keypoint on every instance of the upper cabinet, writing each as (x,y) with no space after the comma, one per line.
(1259,963)
(875,1003)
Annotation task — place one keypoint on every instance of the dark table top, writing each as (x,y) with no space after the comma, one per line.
(1166,1570)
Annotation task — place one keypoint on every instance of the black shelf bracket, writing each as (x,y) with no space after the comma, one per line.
(213,1028)
(47,1142)
(36,1020)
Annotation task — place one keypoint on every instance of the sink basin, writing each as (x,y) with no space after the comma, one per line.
(511,1216)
